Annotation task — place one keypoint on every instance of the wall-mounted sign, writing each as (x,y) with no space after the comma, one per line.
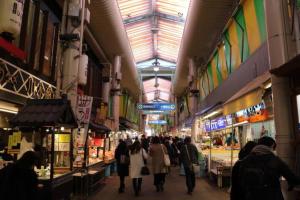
(156,106)
(158,122)
(253,114)
(218,123)
(207,126)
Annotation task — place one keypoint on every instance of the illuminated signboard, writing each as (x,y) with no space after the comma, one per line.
(156,106)
(218,123)
(158,122)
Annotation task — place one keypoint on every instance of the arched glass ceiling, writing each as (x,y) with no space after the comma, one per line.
(154,29)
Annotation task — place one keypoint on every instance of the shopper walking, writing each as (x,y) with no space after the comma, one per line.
(189,156)
(145,143)
(157,151)
(260,171)
(137,156)
(19,180)
(122,157)
(235,192)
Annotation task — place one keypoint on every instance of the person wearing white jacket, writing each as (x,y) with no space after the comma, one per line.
(137,156)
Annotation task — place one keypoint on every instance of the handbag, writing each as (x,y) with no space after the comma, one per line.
(194,167)
(167,161)
(144,170)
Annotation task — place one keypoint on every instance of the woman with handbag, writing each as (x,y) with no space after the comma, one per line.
(159,168)
(137,165)
(189,158)
(122,157)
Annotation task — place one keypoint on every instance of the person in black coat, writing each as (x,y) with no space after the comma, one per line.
(19,180)
(235,192)
(189,155)
(260,172)
(122,157)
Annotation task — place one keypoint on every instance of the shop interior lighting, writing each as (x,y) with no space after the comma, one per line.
(8,111)
(62,128)
(238,124)
(47,130)
(267,86)
(212,114)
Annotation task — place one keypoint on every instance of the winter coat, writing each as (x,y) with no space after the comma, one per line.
(157,153)
(18,183)
(186,159)
(123,169)
(274,168)
(235,192)
(137,162)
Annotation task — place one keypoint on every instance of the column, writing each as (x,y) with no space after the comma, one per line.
(281,48)
(116,90)
(71,55)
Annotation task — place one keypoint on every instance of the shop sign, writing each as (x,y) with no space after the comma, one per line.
(158,122)
(84,107)
(219,123)
(207,126)
(253,114)
(156,106)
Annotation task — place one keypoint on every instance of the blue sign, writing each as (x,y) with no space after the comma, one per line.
(207,126)
(218,123)
(156,106)
(159,122)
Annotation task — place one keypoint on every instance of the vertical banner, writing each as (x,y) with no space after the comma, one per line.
(84,107)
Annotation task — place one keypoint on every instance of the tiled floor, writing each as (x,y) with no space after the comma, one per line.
(175,189)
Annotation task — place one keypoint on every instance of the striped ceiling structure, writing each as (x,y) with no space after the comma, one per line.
(154,29)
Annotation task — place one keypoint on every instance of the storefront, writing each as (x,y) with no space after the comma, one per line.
(223,131)
(46,126)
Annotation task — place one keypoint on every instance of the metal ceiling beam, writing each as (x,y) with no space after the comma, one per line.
(157,14)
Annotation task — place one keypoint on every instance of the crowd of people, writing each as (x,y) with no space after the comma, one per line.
(256,175)
(132,158)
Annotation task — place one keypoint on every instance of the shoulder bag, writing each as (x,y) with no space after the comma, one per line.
(193,167)
(145,170)
(167,161)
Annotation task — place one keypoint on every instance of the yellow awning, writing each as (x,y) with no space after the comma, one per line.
(248,96)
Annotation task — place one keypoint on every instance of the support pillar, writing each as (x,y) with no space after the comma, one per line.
(281,48)
(116,90)
(71,55)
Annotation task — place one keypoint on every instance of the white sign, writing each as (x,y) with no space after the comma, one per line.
(84,107)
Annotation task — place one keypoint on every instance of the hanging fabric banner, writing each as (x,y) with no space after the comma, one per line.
(84,107)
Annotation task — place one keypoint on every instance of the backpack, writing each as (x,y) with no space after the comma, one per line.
(255,178)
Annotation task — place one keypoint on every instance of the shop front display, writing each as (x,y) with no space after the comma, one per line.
(46,126)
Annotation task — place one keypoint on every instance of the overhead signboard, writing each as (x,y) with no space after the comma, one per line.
(158,122)
(156,112)
(156,106)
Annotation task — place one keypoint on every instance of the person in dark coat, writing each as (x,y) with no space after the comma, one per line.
(235,192)
(260,171)
(122,157)
(19,180)
(145,143)
(189,155)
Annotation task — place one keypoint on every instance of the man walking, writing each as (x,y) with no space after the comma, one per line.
(260,172)
(189,156)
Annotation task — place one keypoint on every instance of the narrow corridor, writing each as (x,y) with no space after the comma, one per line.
(175,189)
